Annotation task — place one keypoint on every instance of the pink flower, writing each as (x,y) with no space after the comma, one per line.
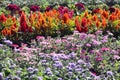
(116,57)
(40,37)
(88,45)
(104,49)
(98,58)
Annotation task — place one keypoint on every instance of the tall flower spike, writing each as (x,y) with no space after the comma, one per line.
(23,23)
(66,17)
(3,18)
(78,27)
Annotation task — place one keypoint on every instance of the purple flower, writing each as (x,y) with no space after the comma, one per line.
(60,79)
(40,78)
(111,9)
(69,68)
(55,58)
(109,33)
(80,6)
(96,42)
(16,78)
(1,76)
(48,8)
(8,42)
(34,8)
(83,36)
(13,7)
(78,69)
(72,55)
(48,71)
(35,70)
(58,64)
(18,72)
(1,45)
(30,70)
(104,41)
(80,61)
(72,65)
(70,74)
(109,73)
(98,32)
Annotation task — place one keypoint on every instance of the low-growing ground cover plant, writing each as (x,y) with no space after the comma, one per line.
(76,57)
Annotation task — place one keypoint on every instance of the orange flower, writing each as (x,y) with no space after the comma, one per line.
(86,14)
(6,32)
(116,11)
(104,23)
(66,17)
(78,27)
(112,17)
(98,24)
(105,14)
(117,27)
(84,22)
(94,17)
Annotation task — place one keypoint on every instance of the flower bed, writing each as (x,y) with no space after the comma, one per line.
(59,43)
(77,56)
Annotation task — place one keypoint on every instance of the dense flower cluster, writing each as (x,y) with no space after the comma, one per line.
(34,8)
(77,56)
(99,20)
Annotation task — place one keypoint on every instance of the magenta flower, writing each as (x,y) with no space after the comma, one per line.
(34,8)
(48,8)
(80,6)
(104,49)
(98,58)
(13,7)
(62,10)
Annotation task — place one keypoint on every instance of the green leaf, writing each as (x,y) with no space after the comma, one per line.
(115,23)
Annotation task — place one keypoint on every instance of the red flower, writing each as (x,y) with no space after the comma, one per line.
(2,18)
(13,7)
(80,6)
(83,26)
(23,23)
(96,10)
(34,8)
(84,22)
